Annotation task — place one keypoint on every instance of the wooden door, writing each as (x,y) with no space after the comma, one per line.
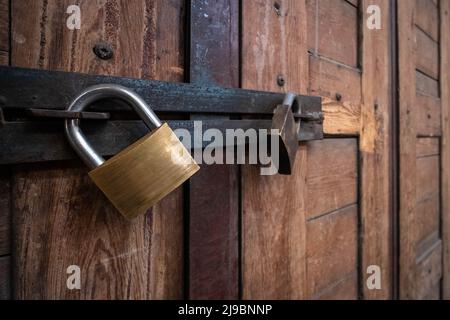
(424,155)
(311,235)
(230,232)
(59,217)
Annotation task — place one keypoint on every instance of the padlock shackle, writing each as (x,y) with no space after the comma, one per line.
(92,94)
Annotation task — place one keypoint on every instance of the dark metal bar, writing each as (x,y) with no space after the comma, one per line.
(65,114)
(29,88)
(35,141)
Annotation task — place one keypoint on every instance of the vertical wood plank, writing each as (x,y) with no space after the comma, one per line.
(5,195)
(214,190)
(375,142)
(5,283)
(4,26)
(273,222)
(445,143)
(60,217)
(5,212)
(407,144)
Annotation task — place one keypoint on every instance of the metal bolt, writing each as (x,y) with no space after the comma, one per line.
(277,7)
(281,81)
(103,50)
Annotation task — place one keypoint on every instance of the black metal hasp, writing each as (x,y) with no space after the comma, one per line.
(37,93)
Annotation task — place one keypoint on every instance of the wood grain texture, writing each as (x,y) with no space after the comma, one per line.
(375,158)
(420,164)
(5,278)
(5,212)
(407,145)
(60,216)
(427,54)
(426,85)
(333,30)
(4,25)
(273,221)
(330,81)
(4,58)
(445,145)
(426,147)
(332,252)
(331,176)
(428,115)
(427,17)
(214,191)
(429,272)
(271,42)
(274,234)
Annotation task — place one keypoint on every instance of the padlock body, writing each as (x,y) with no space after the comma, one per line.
(142,174)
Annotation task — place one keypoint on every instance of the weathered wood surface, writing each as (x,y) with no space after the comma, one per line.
(407,132)
(421,108)
(4,27)
(60,216)
(214,191)
(5,196)
(331,175)
(5,276)
(445,144)
(375,154)
(329,22)
(5,211)
(332,253)
(273,221)
(327,184)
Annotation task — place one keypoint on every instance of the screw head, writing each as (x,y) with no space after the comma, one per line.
(103,50)
(280,80)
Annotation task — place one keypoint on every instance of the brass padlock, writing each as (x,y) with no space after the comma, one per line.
(143,173)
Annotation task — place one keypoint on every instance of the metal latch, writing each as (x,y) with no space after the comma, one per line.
(27,94)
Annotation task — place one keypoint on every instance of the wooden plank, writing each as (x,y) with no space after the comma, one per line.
(341,118)
(214,191)
(428,215)
(5,278)
(407,144)
(312,36)
(428,115)
(331,175)
(337,23)
(331,80)
(4,58)
(429,272)
(5,212)
(57,210)
(426,85)
(4,25)
(343,289)
(375,154)
(445,145)
(332,249)
(427,177)
(426,147)
(273,261)
(427,54)
(427,18)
